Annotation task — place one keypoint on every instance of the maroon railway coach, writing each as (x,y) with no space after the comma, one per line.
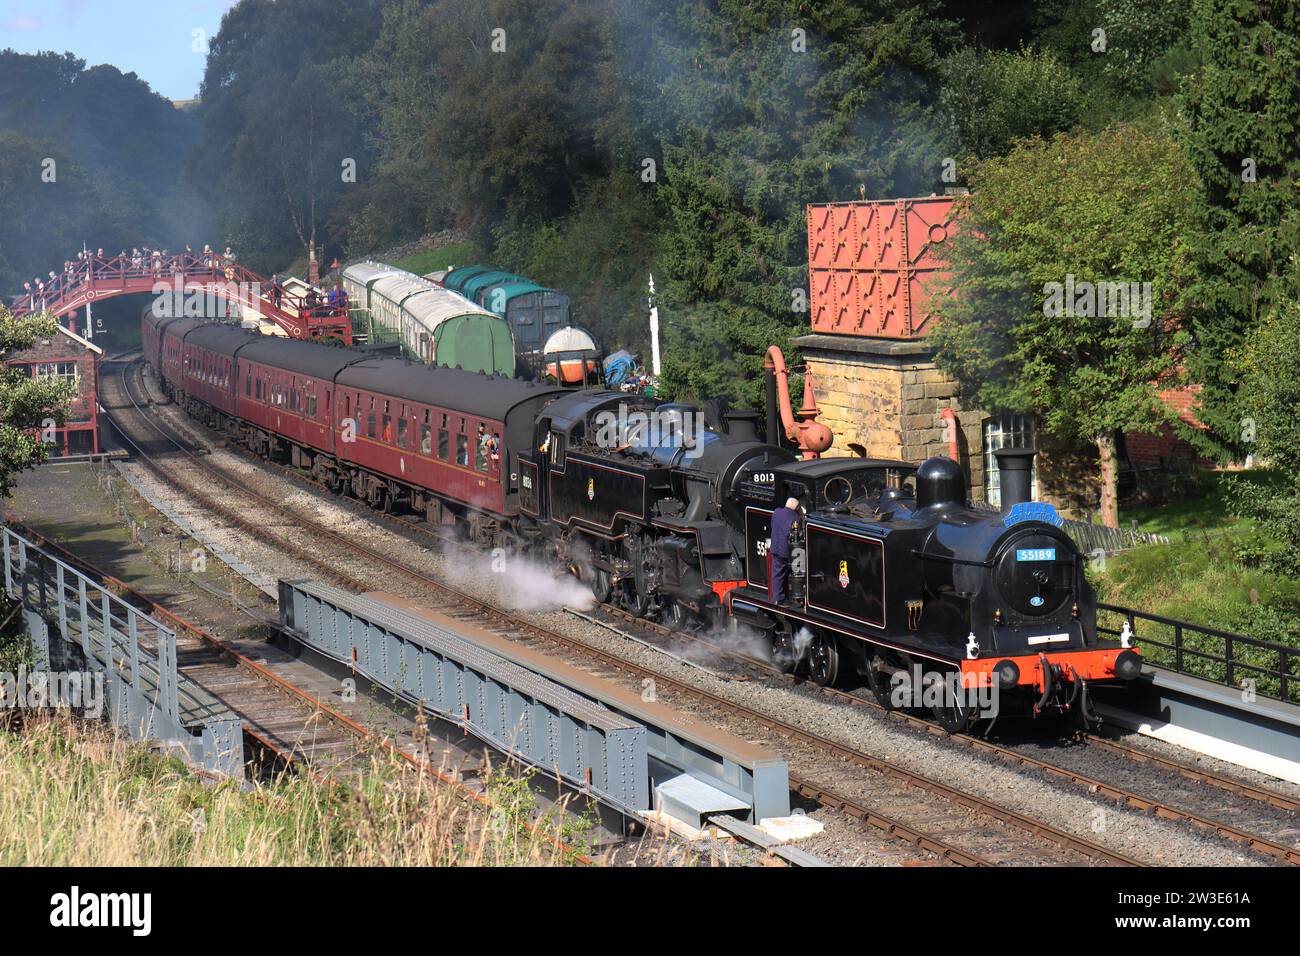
(441,441)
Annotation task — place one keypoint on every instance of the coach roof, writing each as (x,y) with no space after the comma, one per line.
(487,396)
(219,337)
(302,358)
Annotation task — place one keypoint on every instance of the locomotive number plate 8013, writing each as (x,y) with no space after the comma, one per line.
(1035,554)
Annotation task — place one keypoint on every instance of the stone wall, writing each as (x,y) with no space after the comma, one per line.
(887,395)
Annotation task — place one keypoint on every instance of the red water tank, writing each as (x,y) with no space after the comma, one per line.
(873,267)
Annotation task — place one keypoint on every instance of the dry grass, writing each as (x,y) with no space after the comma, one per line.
(75,796)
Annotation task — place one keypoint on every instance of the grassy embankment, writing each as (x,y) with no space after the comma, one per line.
(452,255)
(1206,574)
(74,796)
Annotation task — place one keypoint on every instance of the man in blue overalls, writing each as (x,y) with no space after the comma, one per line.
(784,520)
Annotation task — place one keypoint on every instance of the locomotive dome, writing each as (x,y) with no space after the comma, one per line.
(940,481)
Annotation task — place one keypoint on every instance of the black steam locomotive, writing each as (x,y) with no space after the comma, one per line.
(934,603)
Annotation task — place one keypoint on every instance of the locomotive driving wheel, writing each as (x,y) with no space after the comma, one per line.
(598,580)
(785,657)
(824,658)
(677,616)
(878,681)
(634,601)
(953,712)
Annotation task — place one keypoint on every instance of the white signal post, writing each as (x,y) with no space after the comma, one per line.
(654,330)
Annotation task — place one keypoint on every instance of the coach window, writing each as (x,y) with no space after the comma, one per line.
(480,449)
(370,419)
(257,390)
(426,435)
(444,439)
(401,430)
(462,450)
(248,387)
(311,405)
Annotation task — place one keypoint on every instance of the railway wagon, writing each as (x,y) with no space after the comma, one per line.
(359,278)
(430,322)
(533,311)
(456,279)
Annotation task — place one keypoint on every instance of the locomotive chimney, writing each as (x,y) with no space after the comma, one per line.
(1015,475)
(742,423)
(940,481)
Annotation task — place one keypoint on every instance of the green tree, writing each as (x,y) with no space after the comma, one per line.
(1270,395)
(763,108)
(27,405)
(1243,141)
(992,98)
(1074,210)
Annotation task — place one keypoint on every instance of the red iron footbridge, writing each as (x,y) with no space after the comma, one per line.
(89,280)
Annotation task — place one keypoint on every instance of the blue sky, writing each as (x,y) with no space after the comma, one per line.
(152,38)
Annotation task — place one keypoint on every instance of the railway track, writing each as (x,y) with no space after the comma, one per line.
(1249,804)
(962,828)
(1232,819)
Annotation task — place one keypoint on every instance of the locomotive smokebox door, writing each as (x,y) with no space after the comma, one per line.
(846,574)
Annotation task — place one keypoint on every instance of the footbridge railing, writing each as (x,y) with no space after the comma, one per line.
(91,279)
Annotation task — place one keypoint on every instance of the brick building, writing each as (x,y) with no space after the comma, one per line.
(68,356)
(874,268)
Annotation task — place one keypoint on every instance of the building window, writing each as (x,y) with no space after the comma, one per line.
(1005,431)
(66,371)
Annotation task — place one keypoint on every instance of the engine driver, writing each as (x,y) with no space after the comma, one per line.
(784,521)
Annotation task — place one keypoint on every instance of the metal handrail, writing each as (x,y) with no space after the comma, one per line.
(1287,671)
(88,275)
(130,645)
